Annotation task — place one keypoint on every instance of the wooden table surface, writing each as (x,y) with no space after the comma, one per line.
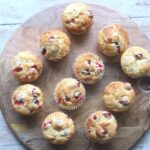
(13,13)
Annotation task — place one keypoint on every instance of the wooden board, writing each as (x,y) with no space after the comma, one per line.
(132,124)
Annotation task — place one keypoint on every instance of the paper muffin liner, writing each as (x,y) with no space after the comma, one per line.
(70,107)
(83,81)
(21,112)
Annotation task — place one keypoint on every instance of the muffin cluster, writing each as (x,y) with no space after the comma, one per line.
(88,68)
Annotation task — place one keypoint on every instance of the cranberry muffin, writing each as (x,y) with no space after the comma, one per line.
(58,128)
(27,99)
(26,67)
(69,94)
(77,18)
(101,127)
(88,68)
(55,45)
(135,62)
(118,96)
(113,40)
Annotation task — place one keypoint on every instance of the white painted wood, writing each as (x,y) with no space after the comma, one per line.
(15,12)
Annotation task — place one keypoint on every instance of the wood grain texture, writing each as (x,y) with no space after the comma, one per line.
(132,125)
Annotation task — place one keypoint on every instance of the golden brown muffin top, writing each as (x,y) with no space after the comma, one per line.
(27,99)
(58,128)
(26,67)
(118,96)
(135,62)
(54,44)
(78,17)
(69,93)
(88,68)
(101,126)
(113,40)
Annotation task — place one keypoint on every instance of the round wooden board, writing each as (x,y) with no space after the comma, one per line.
(132,124)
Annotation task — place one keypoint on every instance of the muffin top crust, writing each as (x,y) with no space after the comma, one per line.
(58,128)
(135,62)
(27,99)
(69,93)
(26,67)
(54,44)
(118,96)
(101,126)
(78,17)
(113,40)
(88,68)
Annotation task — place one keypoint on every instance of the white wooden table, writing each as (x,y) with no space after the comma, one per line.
(14,12)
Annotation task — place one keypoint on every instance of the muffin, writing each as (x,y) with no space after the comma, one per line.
(118,96)
(27,99)
(26,67)
(88,68)
(113,40)
(101,127)
(58,128)
(69,94)
(54,45)
(135,62)
(77,18)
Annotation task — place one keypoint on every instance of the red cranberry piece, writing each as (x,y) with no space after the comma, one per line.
(44,126)
(34,93)
(89,62)
(44,51)
(104,132)
(124,102)
(36,101)
(67,98)
(139,56)
(35,67)
(117,47)
(94,117)
(89,131)
(59,101)
(19,102)
(17,69)
(80,97)
(107,115)
(51,37)
(72,20)
(99,65)
(78,84)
